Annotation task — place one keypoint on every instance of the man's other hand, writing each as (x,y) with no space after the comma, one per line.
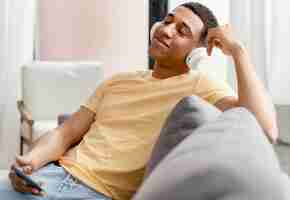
(26,165)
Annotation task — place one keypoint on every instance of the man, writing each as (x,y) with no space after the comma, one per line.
(117,128)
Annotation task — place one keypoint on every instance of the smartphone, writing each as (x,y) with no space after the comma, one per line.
(27,179)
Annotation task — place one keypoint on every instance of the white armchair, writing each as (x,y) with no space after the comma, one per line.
(52,88)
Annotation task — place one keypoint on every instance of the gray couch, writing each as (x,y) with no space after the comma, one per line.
(204,154)
(225,156)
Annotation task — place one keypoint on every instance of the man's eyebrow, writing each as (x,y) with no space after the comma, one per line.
(170,14)
(186,25)
(183,23)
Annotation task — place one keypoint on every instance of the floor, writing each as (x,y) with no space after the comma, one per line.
(283,151)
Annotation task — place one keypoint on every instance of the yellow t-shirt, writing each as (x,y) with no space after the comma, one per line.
(130,110)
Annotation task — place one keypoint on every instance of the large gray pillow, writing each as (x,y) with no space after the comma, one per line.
(226,159)
(187,115)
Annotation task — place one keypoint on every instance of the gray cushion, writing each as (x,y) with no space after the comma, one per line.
(226,159)
(187,115)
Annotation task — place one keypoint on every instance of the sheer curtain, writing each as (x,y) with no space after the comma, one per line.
(16,37)
(279,69)
(263,27)
(252,23)
(3,69)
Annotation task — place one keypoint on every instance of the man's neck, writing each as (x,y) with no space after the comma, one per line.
(163,72)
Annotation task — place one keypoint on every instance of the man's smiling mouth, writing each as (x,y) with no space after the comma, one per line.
(160,42)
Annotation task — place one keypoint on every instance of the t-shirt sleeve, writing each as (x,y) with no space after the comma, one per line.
(93,102)
(211,89)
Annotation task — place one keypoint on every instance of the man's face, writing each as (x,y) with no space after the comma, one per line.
(177,35)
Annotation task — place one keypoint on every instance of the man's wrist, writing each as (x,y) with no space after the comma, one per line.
(237,50)
(34,162)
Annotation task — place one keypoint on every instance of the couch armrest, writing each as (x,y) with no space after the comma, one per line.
(24,113)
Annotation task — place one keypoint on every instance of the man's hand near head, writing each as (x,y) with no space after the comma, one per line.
(223,38)
(251,92)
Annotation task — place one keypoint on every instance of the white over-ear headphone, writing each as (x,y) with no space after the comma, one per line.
(193,58)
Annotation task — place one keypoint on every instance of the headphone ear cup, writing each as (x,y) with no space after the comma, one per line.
(153,29)
(195,57)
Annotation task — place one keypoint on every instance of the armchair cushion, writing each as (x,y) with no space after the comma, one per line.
(50,88)
(42,126)
(3,174)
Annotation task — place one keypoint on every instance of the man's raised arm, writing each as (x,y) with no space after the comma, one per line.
(251,92)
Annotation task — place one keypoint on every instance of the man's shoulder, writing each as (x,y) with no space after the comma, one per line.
(197,74)
(129,75)
(205,75)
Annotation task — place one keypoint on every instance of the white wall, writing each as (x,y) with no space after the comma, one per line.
(113,32)
(219,67)
(16,23)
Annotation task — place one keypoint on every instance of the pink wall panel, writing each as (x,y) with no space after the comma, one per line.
(113,32)
(67,30)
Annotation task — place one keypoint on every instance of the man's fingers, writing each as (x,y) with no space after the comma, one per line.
(36,191)
(40,183)
(16,181)
(217,43)
(21,161)
(27,169)
(24,163)
(13,166)
(20,185)
(209,49)
(213,33)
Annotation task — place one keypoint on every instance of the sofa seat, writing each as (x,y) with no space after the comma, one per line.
(3,174)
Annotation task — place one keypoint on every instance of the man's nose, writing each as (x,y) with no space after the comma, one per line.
(168,30)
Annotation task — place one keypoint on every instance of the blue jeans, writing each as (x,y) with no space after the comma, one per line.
(58,184)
